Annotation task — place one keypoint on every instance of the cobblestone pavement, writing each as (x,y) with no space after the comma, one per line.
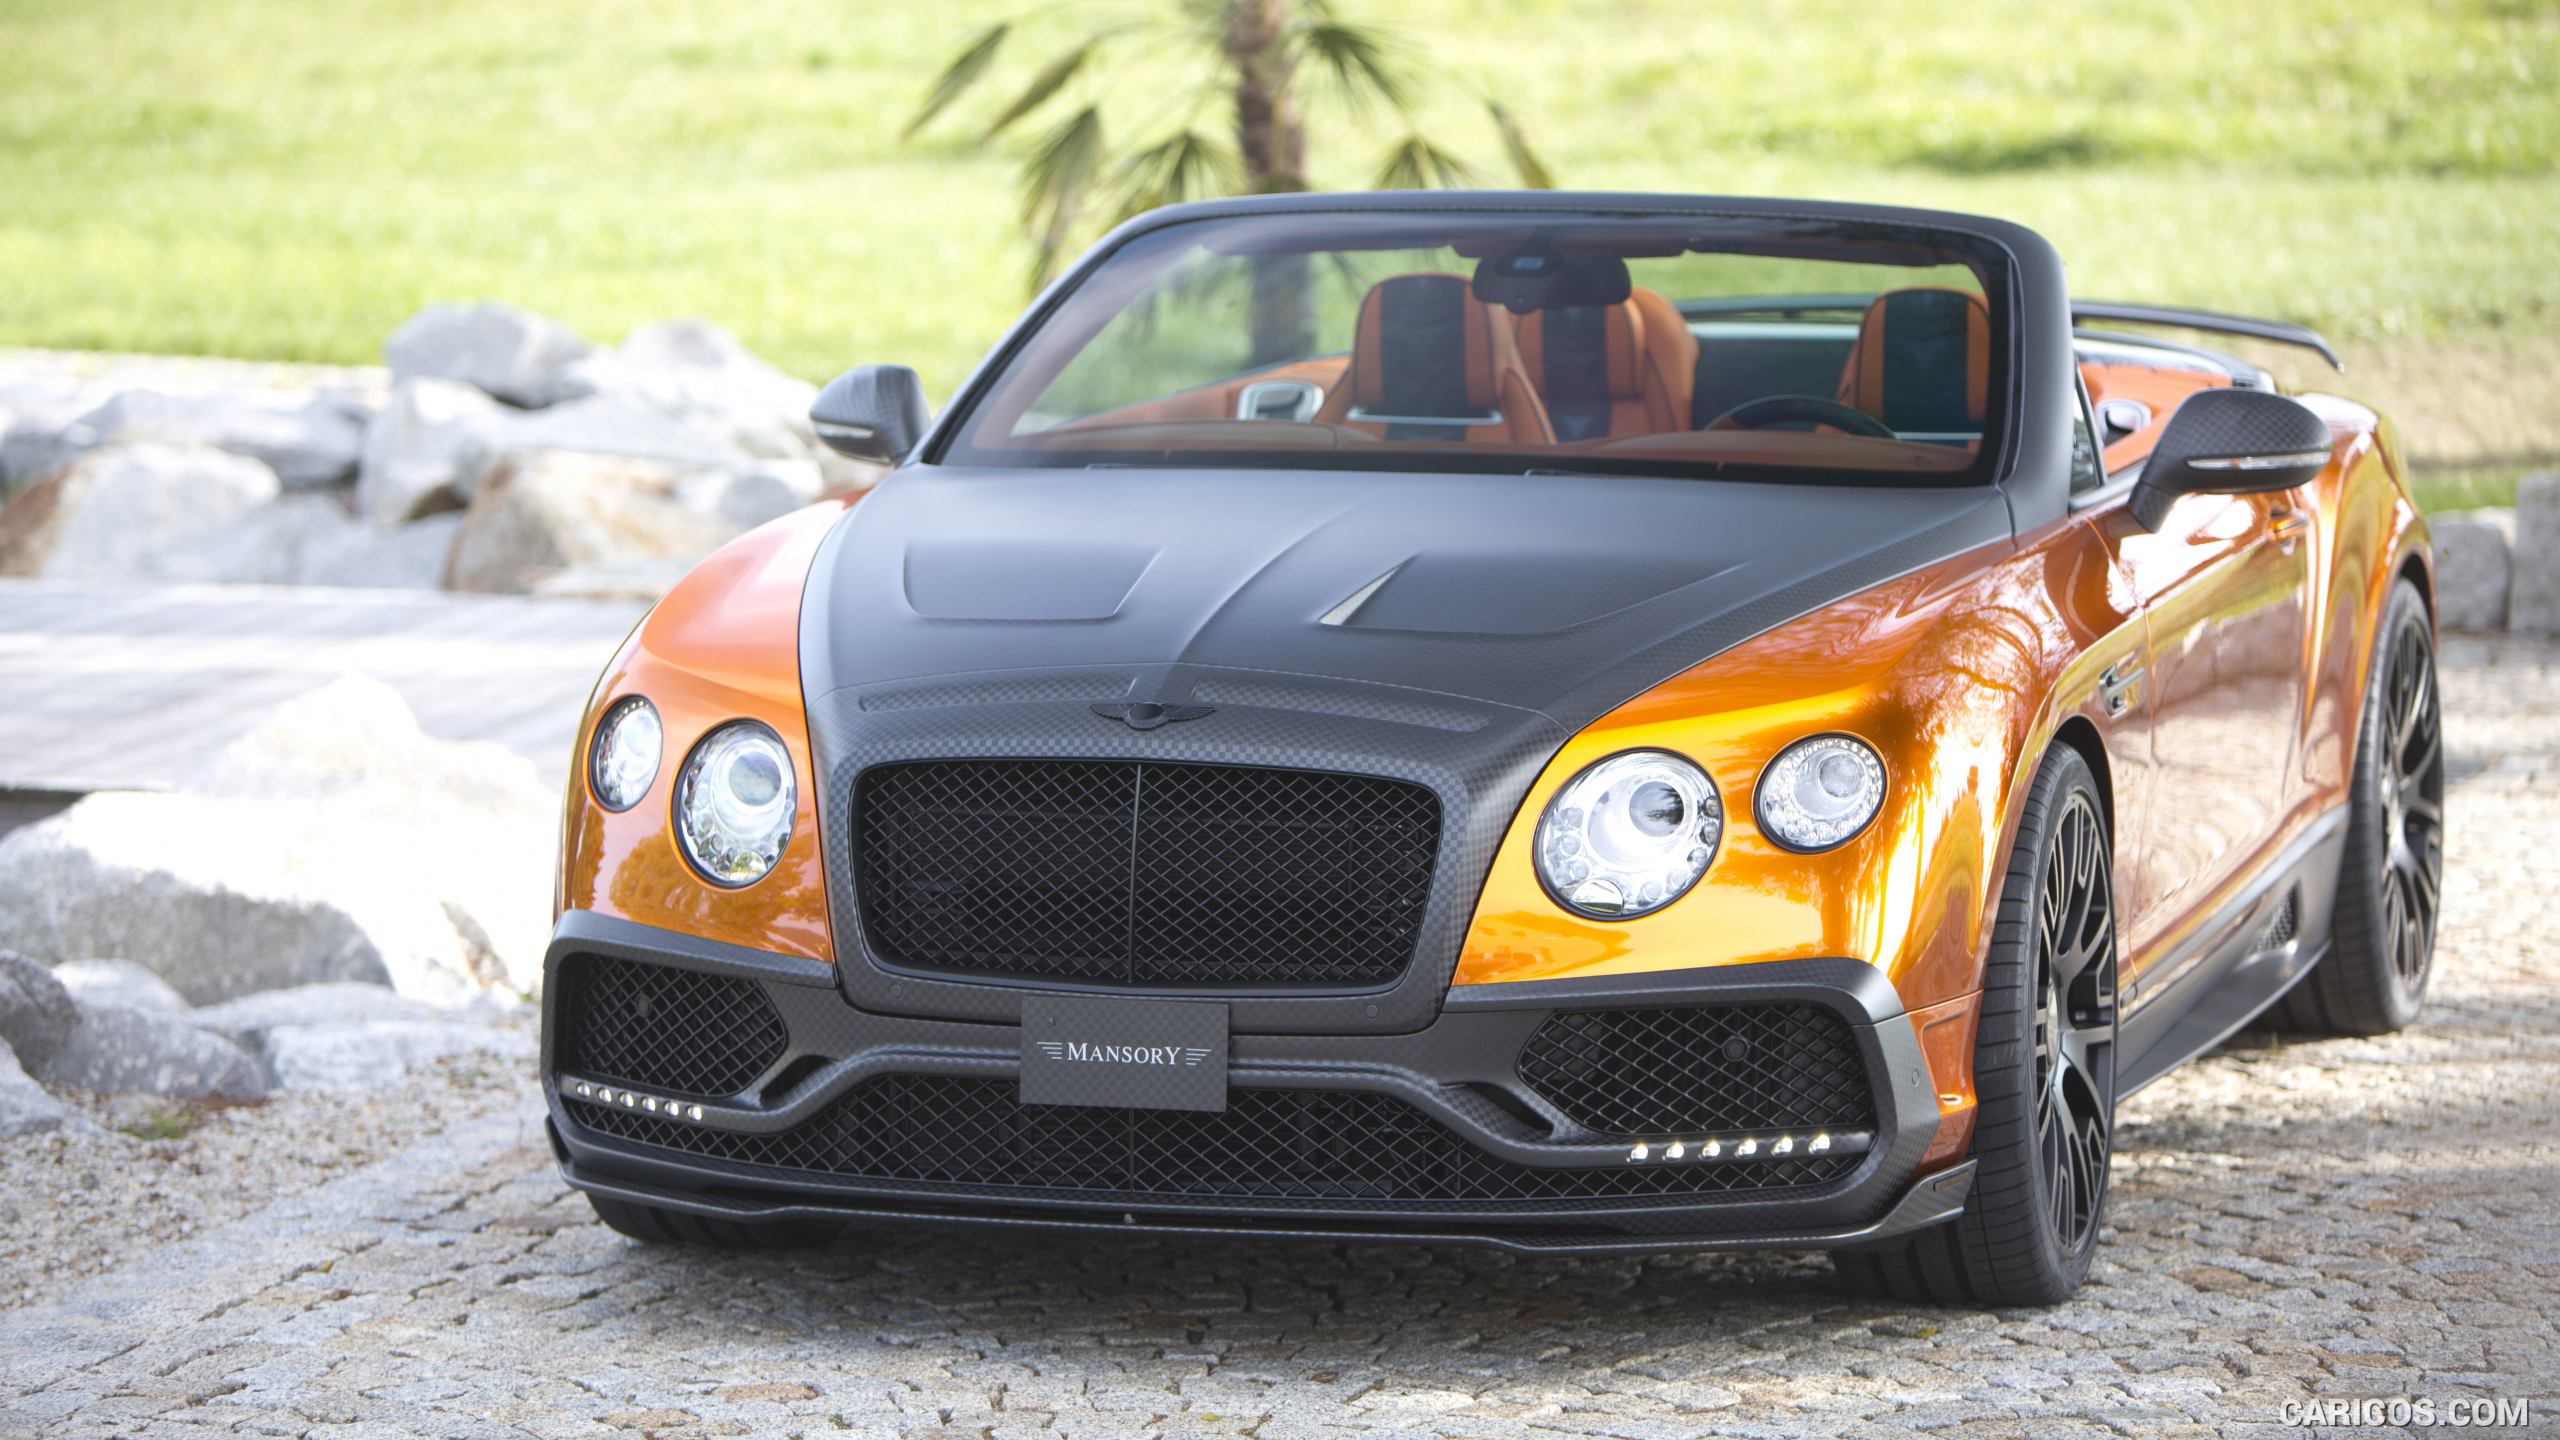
(2291,1220)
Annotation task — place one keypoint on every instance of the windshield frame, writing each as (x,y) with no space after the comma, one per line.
(2011,262)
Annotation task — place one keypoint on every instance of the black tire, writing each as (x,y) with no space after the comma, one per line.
(2382,936)
(652,1225)
(2044,1074)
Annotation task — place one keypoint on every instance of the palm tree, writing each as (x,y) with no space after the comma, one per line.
(1258,55)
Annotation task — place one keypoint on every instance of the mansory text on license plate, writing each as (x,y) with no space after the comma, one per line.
(1129,1054)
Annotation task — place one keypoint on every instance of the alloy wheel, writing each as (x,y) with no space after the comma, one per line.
(2075,1023)
(2412,779)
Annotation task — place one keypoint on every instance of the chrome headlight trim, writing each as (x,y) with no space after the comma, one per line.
(1628,835)
(1819,793)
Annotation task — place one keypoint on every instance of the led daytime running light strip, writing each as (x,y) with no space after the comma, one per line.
(599,1093)
(1750,1147)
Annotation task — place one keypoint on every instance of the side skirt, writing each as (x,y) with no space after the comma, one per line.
(2241,963)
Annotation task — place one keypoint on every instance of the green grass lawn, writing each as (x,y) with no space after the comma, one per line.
(290,178)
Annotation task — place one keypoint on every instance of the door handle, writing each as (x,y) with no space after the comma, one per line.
(2120,685)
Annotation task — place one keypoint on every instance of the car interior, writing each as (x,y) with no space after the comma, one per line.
(1532,348)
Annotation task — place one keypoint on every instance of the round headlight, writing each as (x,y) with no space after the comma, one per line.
(622,762)
(1629,835)
(734,804)
(1819,792)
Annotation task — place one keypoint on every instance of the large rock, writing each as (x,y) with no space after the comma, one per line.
(333,842)
(513,354)
(2472,568)
(599,425)
(25,1108)
(272,544)
(308,440)
(36,1010)
(545,512)
(118,982)
(133,513)
(2533,603)
(410,557)
(698,372)
(34,413)
(748,498)
(415,452)
(372,1054)
(247,1020)
(118,1051)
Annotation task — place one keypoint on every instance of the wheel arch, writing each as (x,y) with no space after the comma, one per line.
(2080,734)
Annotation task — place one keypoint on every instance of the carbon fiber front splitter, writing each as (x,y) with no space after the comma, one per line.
(1932,1200)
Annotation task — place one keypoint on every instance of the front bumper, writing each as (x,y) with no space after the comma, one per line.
(785,1146)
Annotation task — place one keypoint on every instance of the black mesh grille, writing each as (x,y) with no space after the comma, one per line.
(1143,873)
(1279,1145)
(1689,1071)
(665,1029)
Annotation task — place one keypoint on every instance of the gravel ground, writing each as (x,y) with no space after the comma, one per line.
(2291,1221)
(73,1206)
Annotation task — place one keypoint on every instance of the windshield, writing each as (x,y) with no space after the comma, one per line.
(1685,344)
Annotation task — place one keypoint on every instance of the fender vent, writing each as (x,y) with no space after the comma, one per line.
(2285,925)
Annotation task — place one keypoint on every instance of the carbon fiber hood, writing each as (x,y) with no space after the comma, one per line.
(1562,594)
(1452,630)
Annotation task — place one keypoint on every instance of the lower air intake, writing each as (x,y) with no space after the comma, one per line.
(1707,1069)
(663,1029)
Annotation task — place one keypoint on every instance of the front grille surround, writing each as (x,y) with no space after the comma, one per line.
(664,1028)
(1143,874)
(1664,1071)
(1269,1147)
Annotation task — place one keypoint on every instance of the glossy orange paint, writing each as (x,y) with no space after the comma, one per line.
(2158,387)
(1946,1043)
(2261,608)
(1953,673)
(723,645)
(1962,676)
(1959,675)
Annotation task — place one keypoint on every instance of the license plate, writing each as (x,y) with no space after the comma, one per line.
(1117,1053)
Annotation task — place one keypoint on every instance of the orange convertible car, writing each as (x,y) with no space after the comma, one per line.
(1582,723)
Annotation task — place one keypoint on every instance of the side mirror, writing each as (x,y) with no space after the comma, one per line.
(2230,442)
(871,412)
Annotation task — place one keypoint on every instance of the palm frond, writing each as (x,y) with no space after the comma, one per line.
(1365,65)
(1052,78)
(1202,22)
(963,72)
(1183,166)
(1515,144)
(1417,164)
(1057,176)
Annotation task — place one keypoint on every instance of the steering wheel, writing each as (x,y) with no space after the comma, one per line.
(1771,410)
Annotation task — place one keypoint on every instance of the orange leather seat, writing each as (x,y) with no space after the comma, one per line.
(1922,361)
(1607,371)
(1431,362)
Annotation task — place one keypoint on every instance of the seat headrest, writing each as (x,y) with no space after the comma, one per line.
(1922,361)
(1585,361)
(1422,349)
